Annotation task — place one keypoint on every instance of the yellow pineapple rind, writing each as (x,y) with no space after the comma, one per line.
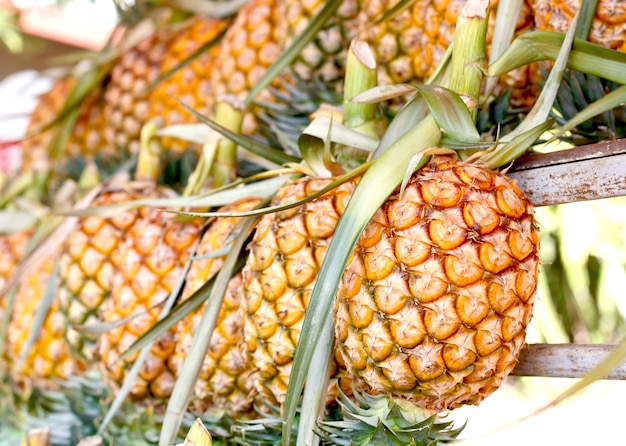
(223,383)
(440,320)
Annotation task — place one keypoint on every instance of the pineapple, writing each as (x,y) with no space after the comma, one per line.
(12,250)
(88,261)
(111,116)
(449,270)
(434,305)
(285,254)
(35,145)
(130,103)
(49,359)
(150,263)
(223,383)
(322,62)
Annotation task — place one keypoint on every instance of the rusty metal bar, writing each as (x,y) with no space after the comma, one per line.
(565,360)
(582,173)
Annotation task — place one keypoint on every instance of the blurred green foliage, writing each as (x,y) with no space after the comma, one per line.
(582,290)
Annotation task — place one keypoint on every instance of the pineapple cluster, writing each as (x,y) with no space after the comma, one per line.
(433,305)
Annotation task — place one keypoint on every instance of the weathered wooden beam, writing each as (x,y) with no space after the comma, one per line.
(582,173)
(565,360)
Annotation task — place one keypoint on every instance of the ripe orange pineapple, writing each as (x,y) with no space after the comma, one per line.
(128,101)
(110,118)
(434,305)
(223,383)
(12,249)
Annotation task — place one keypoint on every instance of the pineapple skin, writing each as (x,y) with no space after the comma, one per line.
(434,305)
(35,155)
(284,258)
(223,383)
(150,262)
(12,250)
(88,261)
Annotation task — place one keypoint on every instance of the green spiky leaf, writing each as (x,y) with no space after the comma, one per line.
(610,101)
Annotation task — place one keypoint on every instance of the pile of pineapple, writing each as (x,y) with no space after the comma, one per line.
(439,273)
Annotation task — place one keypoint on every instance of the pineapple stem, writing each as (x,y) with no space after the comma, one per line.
(468,55)
(218,160)
(361,75)
(149,158)
(229,115)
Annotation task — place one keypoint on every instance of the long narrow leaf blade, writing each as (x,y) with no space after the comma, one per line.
(270,153)
(541,110)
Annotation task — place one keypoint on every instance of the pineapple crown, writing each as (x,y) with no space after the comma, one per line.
(380,420)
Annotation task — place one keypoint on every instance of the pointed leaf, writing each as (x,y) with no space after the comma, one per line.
(406,119)
(323,130)
(587,13)
(16,221)
(541,109)
(264,188)
(516,147)
(507,14)
(198,435)
(196,133)
(450,113)
(314,398)
(383,93)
